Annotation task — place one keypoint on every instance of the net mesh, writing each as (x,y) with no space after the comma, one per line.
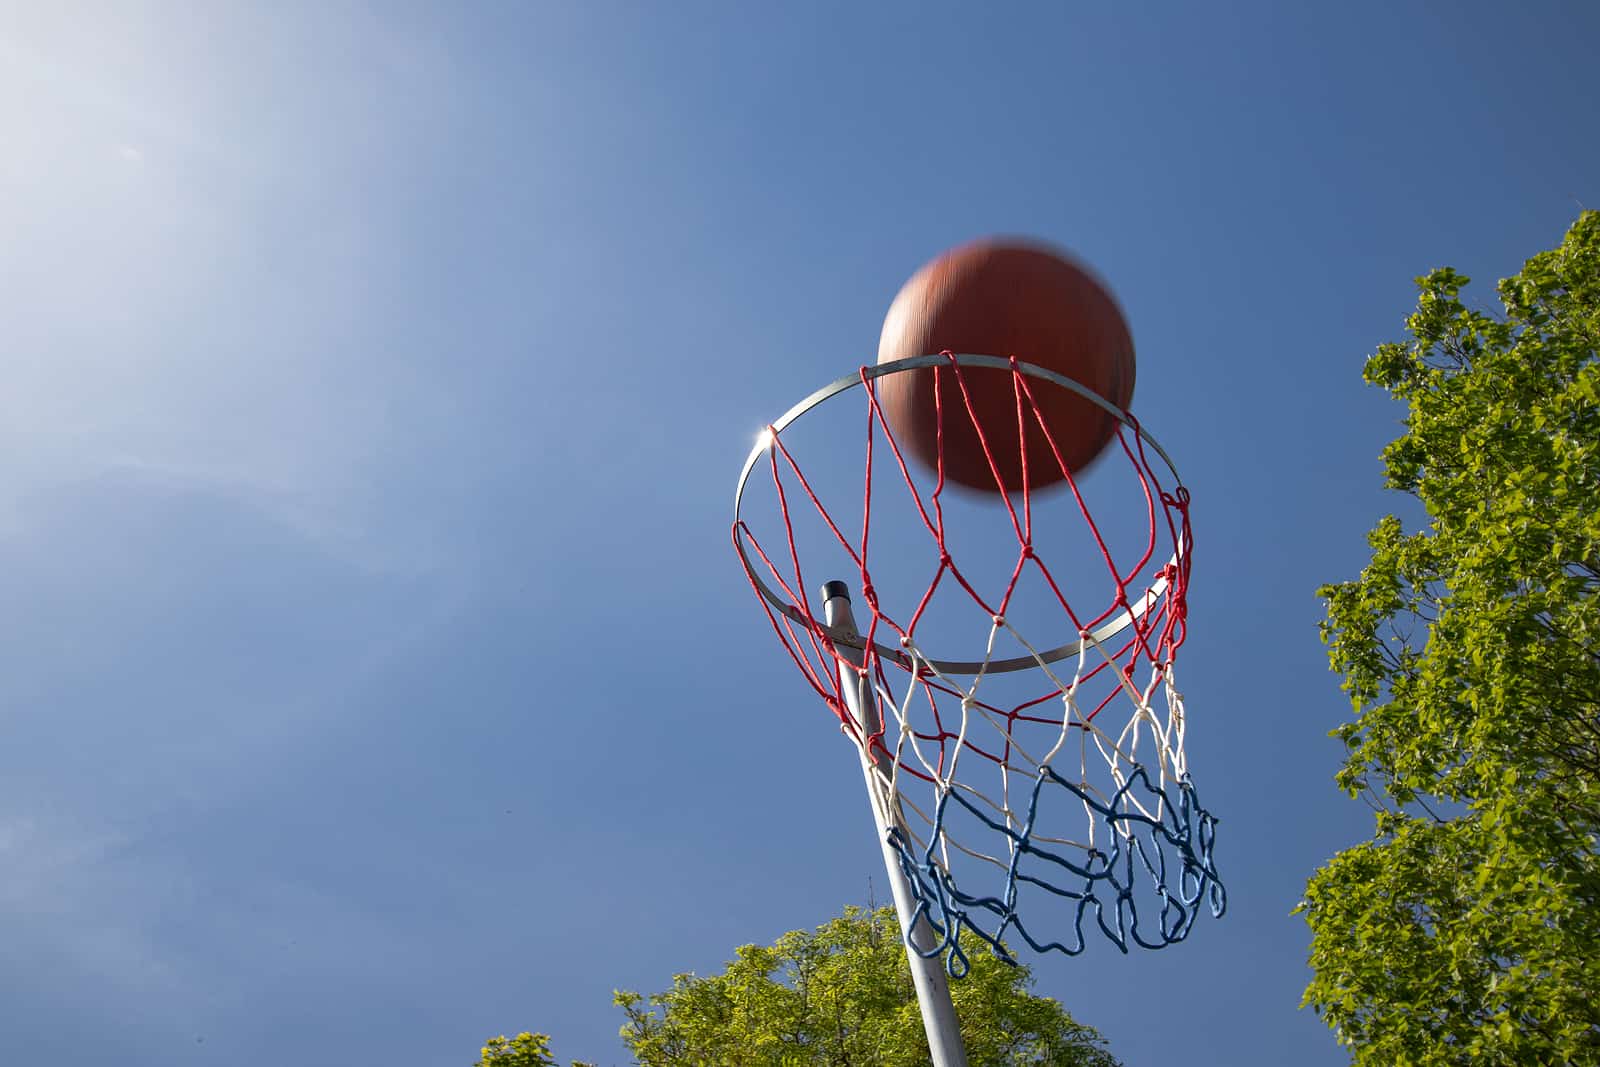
(1059,790)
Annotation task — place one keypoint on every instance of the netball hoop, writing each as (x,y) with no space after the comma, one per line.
(1041,769)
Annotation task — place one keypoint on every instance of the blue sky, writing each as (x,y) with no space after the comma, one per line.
(375,675)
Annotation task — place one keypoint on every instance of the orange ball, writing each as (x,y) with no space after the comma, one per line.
(1005,298)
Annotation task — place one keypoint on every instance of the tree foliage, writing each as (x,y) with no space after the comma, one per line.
(524,1050)
(842,995)
(1468,929)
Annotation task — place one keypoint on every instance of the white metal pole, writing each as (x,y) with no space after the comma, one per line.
(933,990)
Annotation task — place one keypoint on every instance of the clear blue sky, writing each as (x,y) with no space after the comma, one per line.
(375,675)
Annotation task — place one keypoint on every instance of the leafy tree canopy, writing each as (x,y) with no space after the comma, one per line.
(1468,929)
(843,995)
(524,1050)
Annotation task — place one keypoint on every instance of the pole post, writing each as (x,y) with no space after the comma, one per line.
(927,974)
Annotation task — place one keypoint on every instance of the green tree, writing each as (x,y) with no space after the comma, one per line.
(842,995)
(1468,929)
(524,1050)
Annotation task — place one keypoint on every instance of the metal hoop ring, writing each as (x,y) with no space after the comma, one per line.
(1099,635)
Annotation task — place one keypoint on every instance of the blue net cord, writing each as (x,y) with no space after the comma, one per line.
(1171,854)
